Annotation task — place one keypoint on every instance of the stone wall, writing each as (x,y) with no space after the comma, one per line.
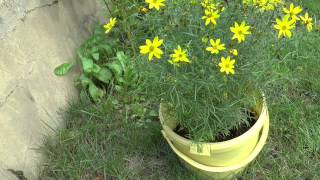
(35,37)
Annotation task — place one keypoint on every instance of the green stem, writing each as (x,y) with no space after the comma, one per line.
(106,3)
(129,34)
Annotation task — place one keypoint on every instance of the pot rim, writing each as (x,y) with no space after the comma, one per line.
(224,144)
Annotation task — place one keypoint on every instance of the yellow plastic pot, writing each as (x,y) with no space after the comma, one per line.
(226,172)
(221,154)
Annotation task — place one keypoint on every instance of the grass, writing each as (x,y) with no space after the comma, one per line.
(120,138)
(109,141)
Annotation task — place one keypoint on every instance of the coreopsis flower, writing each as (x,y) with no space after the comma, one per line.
(292,12)
(216,46)
(208,4)
(284,27)
(240,32)
(234,52)
(210,16)
(152,48)
(157,4)
(266,5)
(112,22)
(307,21)
(179,56)
(227,65)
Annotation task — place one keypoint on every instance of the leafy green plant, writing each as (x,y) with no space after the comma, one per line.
(102,64)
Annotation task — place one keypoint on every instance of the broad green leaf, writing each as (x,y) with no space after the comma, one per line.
(107,48)
(122,59)
(84,80)
(87,64)
(104,75)
(95,56)
(96,68)
(116,68)
(94,49)
(63,69)
(95,92)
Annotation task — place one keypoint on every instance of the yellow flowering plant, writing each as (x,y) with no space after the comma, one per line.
(208,59)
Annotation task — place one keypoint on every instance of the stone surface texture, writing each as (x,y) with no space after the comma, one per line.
(35,37)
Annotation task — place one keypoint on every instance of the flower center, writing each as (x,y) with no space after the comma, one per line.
(155,1)
(240,32)
(283,28)
(151,48)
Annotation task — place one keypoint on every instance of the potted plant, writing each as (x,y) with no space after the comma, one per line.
(211,65)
